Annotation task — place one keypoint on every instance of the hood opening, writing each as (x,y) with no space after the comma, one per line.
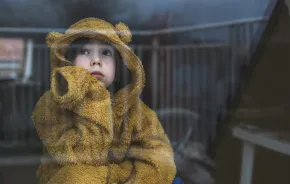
(126,90)
(123,76)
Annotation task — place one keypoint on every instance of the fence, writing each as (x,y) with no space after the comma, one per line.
(192,79)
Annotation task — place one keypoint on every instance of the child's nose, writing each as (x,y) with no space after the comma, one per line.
(96,60)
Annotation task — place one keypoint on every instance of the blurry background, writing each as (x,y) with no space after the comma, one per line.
(194,52)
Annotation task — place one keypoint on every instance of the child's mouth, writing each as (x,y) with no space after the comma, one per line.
(98,74)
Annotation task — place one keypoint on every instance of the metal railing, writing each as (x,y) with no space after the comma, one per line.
(195,77)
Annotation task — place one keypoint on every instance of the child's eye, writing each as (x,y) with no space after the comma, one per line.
(107,52)
(84,51)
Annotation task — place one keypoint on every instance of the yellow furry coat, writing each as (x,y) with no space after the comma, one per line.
(90,137)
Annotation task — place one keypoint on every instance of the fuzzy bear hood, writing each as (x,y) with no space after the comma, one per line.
(118,36)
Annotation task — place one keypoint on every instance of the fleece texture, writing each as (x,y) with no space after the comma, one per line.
(90,137)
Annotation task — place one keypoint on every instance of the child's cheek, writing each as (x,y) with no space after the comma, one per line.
(81,62)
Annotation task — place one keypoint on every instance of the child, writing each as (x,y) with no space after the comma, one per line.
(93,136)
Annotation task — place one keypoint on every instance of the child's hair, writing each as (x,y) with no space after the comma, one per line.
(74,49)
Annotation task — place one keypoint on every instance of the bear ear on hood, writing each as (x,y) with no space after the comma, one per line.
(123,32)
(52,37)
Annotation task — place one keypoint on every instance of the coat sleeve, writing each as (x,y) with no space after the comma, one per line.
(68,126)
(51,172)
(150,154)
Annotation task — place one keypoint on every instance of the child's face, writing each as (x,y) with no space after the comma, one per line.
(99,59)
